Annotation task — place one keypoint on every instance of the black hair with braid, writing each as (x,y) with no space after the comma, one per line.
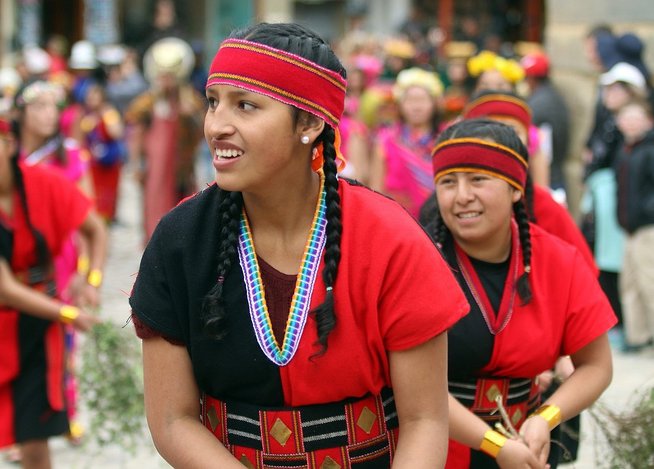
(502,134)
(42,252)
(301,41)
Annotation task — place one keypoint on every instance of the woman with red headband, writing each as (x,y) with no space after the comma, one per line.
(543,210)
(533,299)
(281,304)
(39,209)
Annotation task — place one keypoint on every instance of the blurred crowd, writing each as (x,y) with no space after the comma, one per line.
(97,109)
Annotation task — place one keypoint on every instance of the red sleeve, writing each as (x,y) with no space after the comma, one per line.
(71,205)
(589,312)
(555,219)
(420,298)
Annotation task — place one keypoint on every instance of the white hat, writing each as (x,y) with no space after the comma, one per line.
(37,61)
(168,55)
(9,80)
(82,56)
(624,73)
(112,54)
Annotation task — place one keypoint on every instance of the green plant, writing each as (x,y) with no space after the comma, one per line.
(628,436)
(111,388)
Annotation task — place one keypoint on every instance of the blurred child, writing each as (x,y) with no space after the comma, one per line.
(635,175)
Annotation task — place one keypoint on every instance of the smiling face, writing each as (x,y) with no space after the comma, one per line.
(253,139)
(476,208)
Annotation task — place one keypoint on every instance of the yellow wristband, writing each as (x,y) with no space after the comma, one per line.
(68,314)
(492,443)
(551,414)
(83,265)
(95,278)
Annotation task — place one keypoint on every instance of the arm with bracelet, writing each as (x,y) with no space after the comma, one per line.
(23,298)
(468,429)
(95,236)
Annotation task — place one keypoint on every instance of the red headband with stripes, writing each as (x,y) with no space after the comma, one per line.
(473,155)
(280,75)
(499,105)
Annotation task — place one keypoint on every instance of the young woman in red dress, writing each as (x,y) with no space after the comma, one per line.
(281,304)
(533,298)
(39,209)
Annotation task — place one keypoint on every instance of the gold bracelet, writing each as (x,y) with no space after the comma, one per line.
(492,443)
(68,314)
(83,264)
(95,278)
(551,414)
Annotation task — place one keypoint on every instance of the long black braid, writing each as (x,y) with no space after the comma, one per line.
(502,134)
(213,305)
(298,40)
(42,252)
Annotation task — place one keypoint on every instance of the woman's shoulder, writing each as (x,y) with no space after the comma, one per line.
(193,217)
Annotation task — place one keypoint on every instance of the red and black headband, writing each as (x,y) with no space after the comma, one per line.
(474,155)
(280,75)
(499,105)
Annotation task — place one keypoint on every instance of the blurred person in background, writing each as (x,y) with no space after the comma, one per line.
(550,114)
(166,128)
(493,72)
(401,162)
(37,106)
(621,82)
(102,128)
(635,211)
(40,209)
(458,83)
(124,80)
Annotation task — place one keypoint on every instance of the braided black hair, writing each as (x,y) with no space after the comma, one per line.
(42,252)
(502,134)
(301,41)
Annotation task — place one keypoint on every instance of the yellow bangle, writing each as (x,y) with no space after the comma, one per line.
(68,314)
(83,265)
(492,443)
(551,414)
(95,278)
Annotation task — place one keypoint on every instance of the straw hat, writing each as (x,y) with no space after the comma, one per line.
(169,55)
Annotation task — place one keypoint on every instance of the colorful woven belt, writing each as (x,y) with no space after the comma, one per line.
(519,397)
(345,434)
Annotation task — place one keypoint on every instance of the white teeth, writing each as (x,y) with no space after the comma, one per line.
(468,215)
(228,153)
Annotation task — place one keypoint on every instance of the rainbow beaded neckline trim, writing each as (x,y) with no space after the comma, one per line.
(301,300)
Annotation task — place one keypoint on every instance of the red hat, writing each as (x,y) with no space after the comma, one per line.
(5,126)
(536,64)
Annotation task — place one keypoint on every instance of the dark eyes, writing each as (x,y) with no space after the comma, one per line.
(243,105)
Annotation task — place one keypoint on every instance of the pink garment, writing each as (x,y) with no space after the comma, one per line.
(76,164)
(533,140)
(409,176)
(160,187)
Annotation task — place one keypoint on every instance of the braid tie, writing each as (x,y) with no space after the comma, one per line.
(213,305)
(524,290)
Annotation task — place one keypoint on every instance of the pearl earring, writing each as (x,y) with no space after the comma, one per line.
(304,139)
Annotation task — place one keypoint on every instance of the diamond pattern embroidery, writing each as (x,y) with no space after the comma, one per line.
(280,432)
(329,463)
(366,419)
